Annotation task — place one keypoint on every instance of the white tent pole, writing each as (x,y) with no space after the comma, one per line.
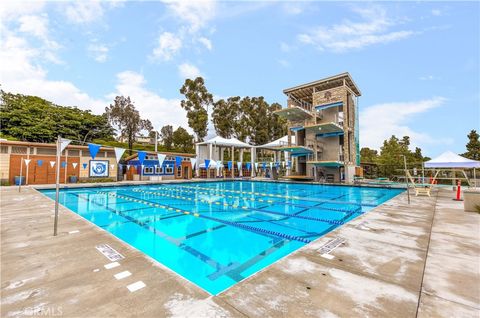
(21,168)
(474,178)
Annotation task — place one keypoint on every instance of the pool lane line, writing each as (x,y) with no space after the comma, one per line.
(235,224)
(176,187)
(244,207)
(197,254)
(158,193)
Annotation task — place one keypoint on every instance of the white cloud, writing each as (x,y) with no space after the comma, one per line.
(206,42)
(84,12)
(381,121)
(160,111)
(196,14)
(294,8)
(187,70)
(374,29)
(283,63)
(98,51)
(429,78)
(168,45)
(436,12)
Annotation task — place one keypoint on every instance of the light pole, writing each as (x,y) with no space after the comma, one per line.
(406,176)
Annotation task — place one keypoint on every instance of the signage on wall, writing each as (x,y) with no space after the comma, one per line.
(99,168)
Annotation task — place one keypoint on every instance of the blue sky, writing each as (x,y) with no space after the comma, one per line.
(417,64)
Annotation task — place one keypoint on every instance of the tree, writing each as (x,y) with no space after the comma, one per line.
(196,103)
(166,134)
(182,140)
(368,155)
(226,117)
(473,146)
(124,115)
(31,118)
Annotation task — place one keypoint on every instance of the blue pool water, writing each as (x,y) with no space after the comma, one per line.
(215,234)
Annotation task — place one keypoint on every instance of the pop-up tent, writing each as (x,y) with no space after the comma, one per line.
(451,161)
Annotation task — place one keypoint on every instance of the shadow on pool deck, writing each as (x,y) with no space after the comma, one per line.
(396,261)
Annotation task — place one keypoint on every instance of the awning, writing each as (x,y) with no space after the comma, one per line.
(321,107)
(296,150)
(220,141)
(280,142)
(335,164)
(452,160)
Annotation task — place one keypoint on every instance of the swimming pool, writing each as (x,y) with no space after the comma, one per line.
(216,234)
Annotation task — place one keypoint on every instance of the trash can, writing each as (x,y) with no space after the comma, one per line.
(18,179)
(73,179)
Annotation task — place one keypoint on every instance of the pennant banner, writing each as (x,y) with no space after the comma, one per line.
(27,161)
(112,166)
(178,161)
(264,165)
(119,153)
(249,165)
(64,164)
(193,161)
(283,164)
(128,167)
(289,163)
(93,149)
(239,165)
(229,165)
(52,163)
(39,163)
(74,164)
(64,143)
(277,164)
(207,163)
(85,165)
(161,158)
(141,156)
(256,165)
(270,164)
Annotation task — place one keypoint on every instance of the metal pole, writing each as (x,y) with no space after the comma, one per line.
(474,178)
(156,140)
(57,185)
(406,177)
(21,172)
(423,173)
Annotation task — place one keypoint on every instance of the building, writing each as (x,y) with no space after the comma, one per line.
(76,163)
(151,170)
(323,117)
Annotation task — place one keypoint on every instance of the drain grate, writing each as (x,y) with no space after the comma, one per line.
(331,245)
(109,252)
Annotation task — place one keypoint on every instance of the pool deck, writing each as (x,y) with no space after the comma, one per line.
(398,260)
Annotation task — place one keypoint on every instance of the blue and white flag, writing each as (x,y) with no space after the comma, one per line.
(119,153)
(270,164)
(141,157)
(161,158)
(85,165)
(207,163)
(27,161)
(193,161)
(93,149)
(64,143)
(229,165)
(52,163)
(264,165)
(74,164)
(239,165)
(256,165)
(249,165)
(40,162)
(178,161)
(64,164)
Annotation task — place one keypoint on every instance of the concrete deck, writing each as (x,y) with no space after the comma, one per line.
(397,261)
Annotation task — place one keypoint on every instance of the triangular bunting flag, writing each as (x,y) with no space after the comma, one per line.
(270,164)
(277,164)
(229,165)
(52,163)
(119,153)
(74,164)
(283,164)
(256,165)
(264,165)
(64,164)
(161,158)
(141,156)
(27,161)
(85,165)
(249,165)
(128,167)
(207,163)
(39,163)
(239,165)
(112,166)
(64,143)
(93,148)
(178,161)
(193,161)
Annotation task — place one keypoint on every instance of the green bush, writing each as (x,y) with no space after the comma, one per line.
(96,180)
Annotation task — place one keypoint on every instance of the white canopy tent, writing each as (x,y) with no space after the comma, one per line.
(280,142)
(450,160)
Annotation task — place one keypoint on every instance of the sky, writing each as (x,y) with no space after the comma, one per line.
(417,64)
